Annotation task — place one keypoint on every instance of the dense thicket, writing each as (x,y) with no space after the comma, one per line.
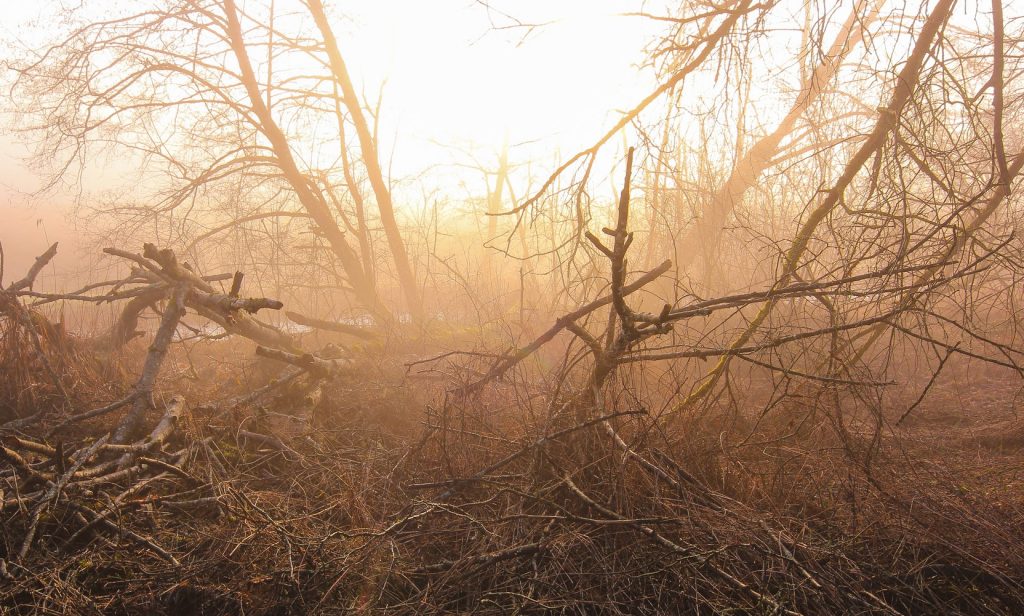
(777,374)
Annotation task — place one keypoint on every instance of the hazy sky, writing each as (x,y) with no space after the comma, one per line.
(452,79)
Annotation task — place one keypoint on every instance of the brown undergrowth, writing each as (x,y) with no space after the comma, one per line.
(384,495)
(394,475)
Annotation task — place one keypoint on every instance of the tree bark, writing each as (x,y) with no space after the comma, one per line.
(370,159)
(312,202)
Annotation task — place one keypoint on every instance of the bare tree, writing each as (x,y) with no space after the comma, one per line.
(182,90)
(748,169)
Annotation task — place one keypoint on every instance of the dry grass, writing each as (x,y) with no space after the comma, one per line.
(376,504)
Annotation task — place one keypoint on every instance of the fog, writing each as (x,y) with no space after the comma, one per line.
(504,307)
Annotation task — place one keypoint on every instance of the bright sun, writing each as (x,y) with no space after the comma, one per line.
(452,79)
(455,81)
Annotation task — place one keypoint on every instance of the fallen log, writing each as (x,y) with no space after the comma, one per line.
(131,424)
(333,326)
(317,366)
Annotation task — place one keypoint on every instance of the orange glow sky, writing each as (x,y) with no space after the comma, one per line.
(452,80)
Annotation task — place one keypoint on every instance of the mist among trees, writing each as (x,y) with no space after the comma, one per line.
(748,344)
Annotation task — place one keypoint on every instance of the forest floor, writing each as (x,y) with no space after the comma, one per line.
(377,492)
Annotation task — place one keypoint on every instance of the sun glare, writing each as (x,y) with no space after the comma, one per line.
(452,79)
(510,306)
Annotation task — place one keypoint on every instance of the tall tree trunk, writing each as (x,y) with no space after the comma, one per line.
(313,202)
(365,245)
(370,159)
(494,198)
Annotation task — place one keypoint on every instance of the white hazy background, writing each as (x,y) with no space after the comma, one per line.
(455,79)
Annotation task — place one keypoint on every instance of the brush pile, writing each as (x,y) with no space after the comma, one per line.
(336,486)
